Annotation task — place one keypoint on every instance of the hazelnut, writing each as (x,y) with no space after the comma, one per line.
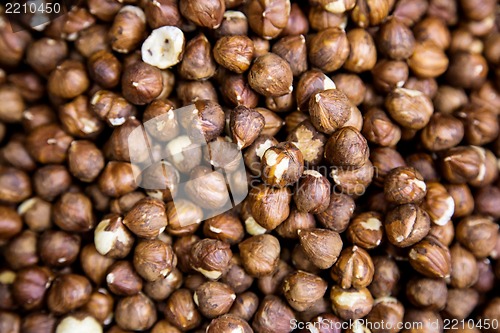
(395,39)
(273,315)
(370,12)
(211,257)
(433,29)
(21,251)
(85,160)
(147,219)
(68,80)
(94,38)
(44,54)
(329,49)
(404,185)
(268,19)
(385,278)
(339,212)
(491,310)
(269,206)
(363,53)
(387,310)
(378,128)
(68,292)
(141,83)
(293,49)
(227,323)
(282,165)
(36,213)
(16,154)
(104,69)
(127,30)
(245,305)
(270,75)
(197,62)
(214,299)
(431,258)
(353,182)
(477,234)
(234,53)
(425,164)
(111,107)
(191,91)
(322,246)
(455,305)
(443,131)
(260,254)
(427,293)
(208,15)
(347,148)
(153,259)
(123,280)
(50,181)
(461,164)
(449,99)
(301,289)
(389,75)
(161,13)
(38,323)
(236,277)
(351,303)
(428,60)
(118,178)
(73,212)
(104,10)
(168,128)
(236,91)
(486,201)
(125,203)
(100,306)
(329,109)
(313,193)
(94,265)
(181,310)
(233,23)
(161,289)
(58,248)
(30,286)
(79,322)
(184,217)
(272,283)
(365,230)
(445,233)
(297,22)
(464,270)
(321,19)
(246,125)
(480,123)
(409,108)
(426,317)
(16,185)
(272,121)
(207,188)
(225,227)
(353,269)
(311,83)
(135,313)
(309,141)
(438,203)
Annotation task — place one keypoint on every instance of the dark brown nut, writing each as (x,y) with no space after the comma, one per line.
(329,109)
(491,311)
(378,128)
(124,204)
(293,49)
(366,230)
(329,49)
(208,120)
(117,147)
(68,80)
(467,70)
(214,299)
(431,258)
(297,22)
(347,148)
(48,144)
(386,310)
(294,119)
(167,129)
(427,86)
(353,182)
(234,53)
(488,164)
(211,258)
(406,225)
(85,160)
(313,193)
(272,121)
(245,305)
(225,227)
(260,254)
(236,91)
(449,99)
(191,91)
(197,61)
(384,160)
(58,248)
(194,281)
(404,185)
(161,289)
(147,219)
(428,60)
(128,29)
(353,269)
(227,323)
(68,292)
(36,213)
(322,246)
(246,125)
(311,83)
(162,13)
(94,265)
(321,19)
(481,125)
(462,164)
(123,280)
(464,269)
(351,303)
(184,217)
(100,306)
(370,12)
(92,39)
(409,108)
(309,141)
(10,322)
(36,116)
(487,201)
(38,322)
(104,10)
(207,188)
(236,277)
(181,311)
(268,19)
(445,233)
(111,107)
(302,289)
(14,45)
(455,305)
(427,293)
(462,40)
(105,69)
(73,213)
(141,83)
(282,165)
(271,75)
(425,164)
(16,154)
(76,20)
(16,185)
(385,277)
(21,251)
(269,206)
(363,53)
(462,196)
(29,84)
(339,212)
(233,23)
(395,39)
(118,178)
(135,313)
(207,15)
(50,181)
(301,261)
(273,315)
(433,29)
(443,131)
(438,203)
(477,234)
(154,260)
(389,75)
(30,286)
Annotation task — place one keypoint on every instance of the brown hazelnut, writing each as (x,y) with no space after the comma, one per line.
(321,19)
(16,185)
(68,292)
(73,212)
(352,85)
(443,131)
(461,164)
(48,144)
(197,61)
(313,193)
(271,75)
(438,203)
(329,109)
(365,230)
(44,54)
(100,306)
(467,70)
(301,261)
(184,217)
(118,178)
(125,203)
(428,60)
(16,154)
(21,251)
(210,257)
(245,305)
(425,164)
(409,108)
(207,15)
(477,234)
(486,201)
(111,107)
(135,313)
(14,45)
(491,310)
(353,182)
(431,258)
(94,38)
(433,29)
(329,49)
(161,289)
(162,13)
(480,123)
(36,213)
(236,91)
(94,265)
(347,148)
(141,83)
(445,233)
(455,305)
(260,254)
(272,121)
(385,278)
(386,310)
(309,141)
(339,212)
(462,196)
(449,99)
(36,116)
(322,246)
(181,310)
(104,10)
(351,303)
(128,29)
(225,227)
(50,181)
(207,188)
(214,299)
(268,19)
(311,83)
(404,185)
(389,75)
(123,280)
(58,248)
(293,49)
(104,69)
(378,128)
(191,91)
(395,39)
(234,53)
(427,293)
(301,289)
(282,165)
(30,286)
(85,160)
(269,206)
(353,269)
(233,23)
(68,80)
(147,219)
(427,86)
(363,53)
(38,322)
(153,259)
(272,283)
(246,125)
(273,315)
(236,277)
(464,270)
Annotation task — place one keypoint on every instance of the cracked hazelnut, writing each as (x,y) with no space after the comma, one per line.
(351,303)
(282,165)
(404,185)
(366,230)
(406,225)
(431,258)
(438,203)
(309,141)
(353,269)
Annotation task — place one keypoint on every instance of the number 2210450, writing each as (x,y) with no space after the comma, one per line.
(32,8)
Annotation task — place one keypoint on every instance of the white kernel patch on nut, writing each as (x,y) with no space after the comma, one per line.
(261,149)
(312,173)
(176,146)
(385,299)
(7,277)
(350,299)
(482,166)
(372,224)
(135,11)
(409,92)
(75,325)
(212,275)
(164,47)
(336,7)
(419,183)
(234,14)
(26,205)
(195,299)
(105,240)
(448,213)
(253,228)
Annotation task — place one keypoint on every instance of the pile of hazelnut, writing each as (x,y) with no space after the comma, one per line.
(368,129)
